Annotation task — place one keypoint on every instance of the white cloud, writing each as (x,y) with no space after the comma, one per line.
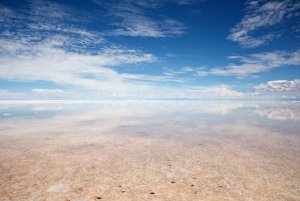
(210,92)
(4,11)
(197,71)
(280,86)
(187,2)
(39,94)
(48,9)
(168,92)
(45,19)
(137,25)
(55,91)
(47,61)
(144,77)
(262,14)
(188,69)
(6,15)
(201,73)
(132,19)
(48,50)
(256,63)
(171,72)
(171,55)
(48,93)
(5,94)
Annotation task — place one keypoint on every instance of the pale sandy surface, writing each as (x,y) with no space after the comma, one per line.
(97,156)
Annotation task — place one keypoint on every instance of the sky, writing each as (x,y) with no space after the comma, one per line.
(152,49)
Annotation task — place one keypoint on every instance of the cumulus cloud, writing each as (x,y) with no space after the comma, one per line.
(262,14)
(280,86)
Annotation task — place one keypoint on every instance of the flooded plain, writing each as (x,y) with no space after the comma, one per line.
(149,150)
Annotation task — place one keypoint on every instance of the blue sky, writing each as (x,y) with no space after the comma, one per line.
(192,49)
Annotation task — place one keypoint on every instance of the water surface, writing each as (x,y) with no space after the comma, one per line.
(149,150)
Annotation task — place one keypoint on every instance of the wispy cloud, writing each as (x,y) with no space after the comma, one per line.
(255,63)
(138,25)
(262,14)
(188,2)
(185,70)
(171,55)
(131,18)
(144,77)
(45,19)
(41,9)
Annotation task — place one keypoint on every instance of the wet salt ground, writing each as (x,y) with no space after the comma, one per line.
(150,153)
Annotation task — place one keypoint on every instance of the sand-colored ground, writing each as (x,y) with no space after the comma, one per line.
(146,159)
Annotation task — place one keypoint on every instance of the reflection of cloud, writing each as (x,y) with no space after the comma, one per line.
(279,113)
(150,108)
(114,117)
(121,109)
(223,108)
(47,107)
(107,116)
(4,107)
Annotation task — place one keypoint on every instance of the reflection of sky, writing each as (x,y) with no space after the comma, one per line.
(118,109)
(217,141)
(150,109)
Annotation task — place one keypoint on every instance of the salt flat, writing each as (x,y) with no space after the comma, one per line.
(150,150)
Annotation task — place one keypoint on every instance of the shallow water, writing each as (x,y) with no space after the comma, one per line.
(149,150)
